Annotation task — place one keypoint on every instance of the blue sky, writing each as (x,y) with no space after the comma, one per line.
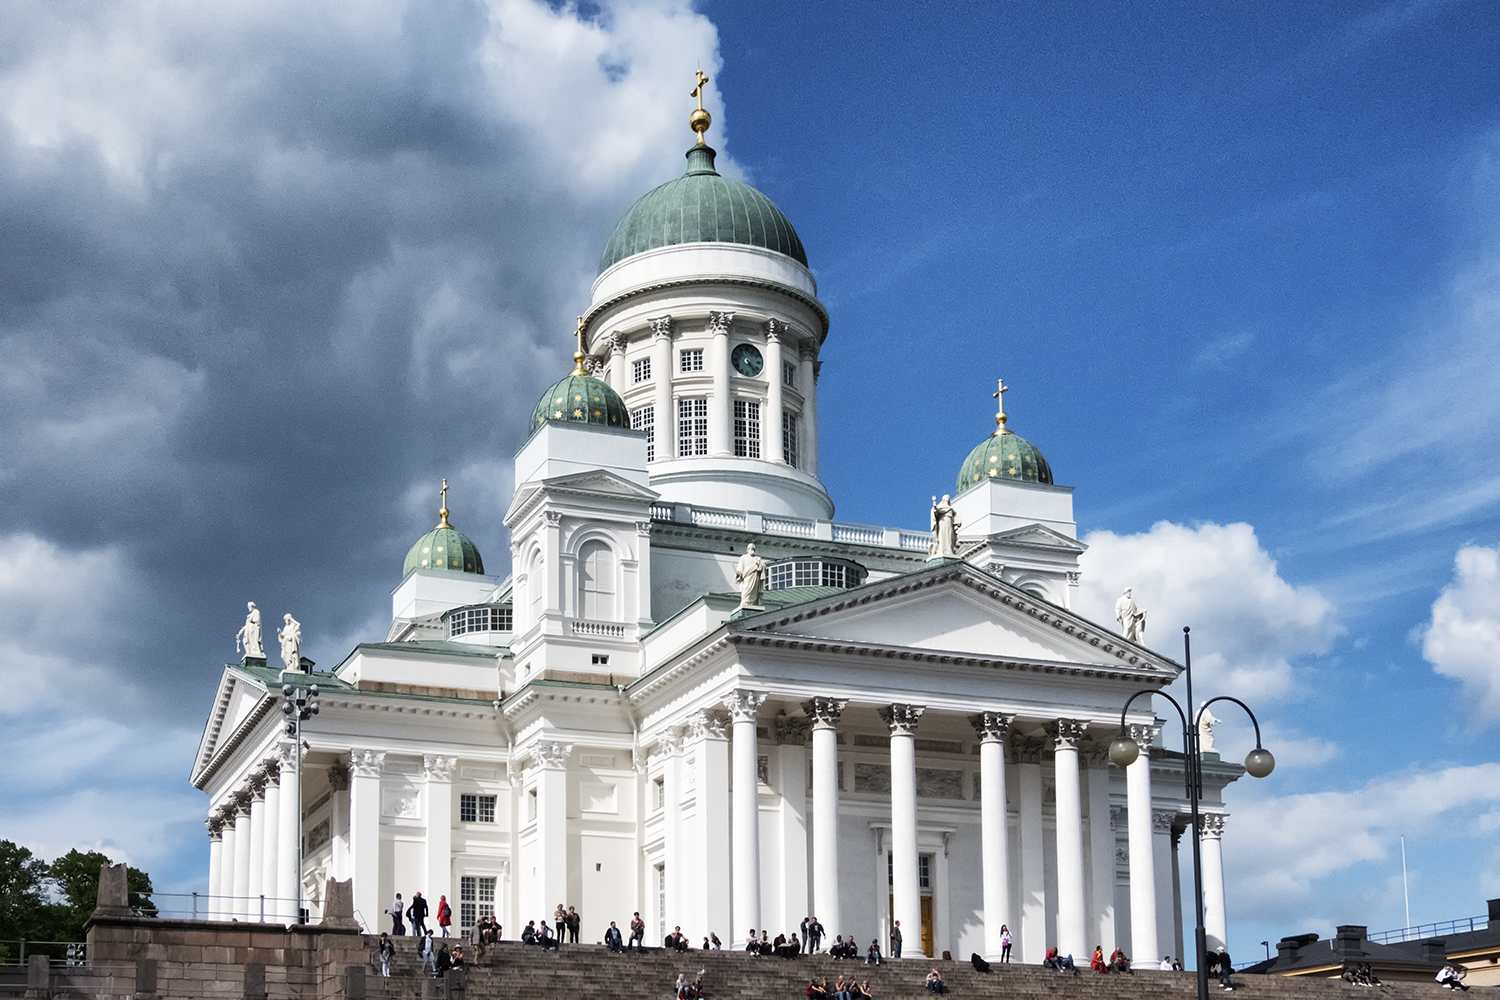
(270,274)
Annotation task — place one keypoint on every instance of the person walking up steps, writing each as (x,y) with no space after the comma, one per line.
(429,953)
(417,913)
(386,952)
(397,912)
(444,915)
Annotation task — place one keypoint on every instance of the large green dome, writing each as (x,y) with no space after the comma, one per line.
(1003,455)
(444,547)
(580,399)
(702,207)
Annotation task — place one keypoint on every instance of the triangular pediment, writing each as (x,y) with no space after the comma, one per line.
(1038,536)
(959,609)
(235,702)
(593,482)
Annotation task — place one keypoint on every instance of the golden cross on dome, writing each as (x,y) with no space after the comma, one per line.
(699,120)
(698,90)
(443,513)
(578,354)
(1000,396)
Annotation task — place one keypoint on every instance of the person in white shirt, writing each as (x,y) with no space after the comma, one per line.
(1166,963)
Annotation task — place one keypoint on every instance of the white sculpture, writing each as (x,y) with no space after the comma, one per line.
(1131,618)
(290,637)
(1206,723)
(750,574)
(944,525)
(249,633)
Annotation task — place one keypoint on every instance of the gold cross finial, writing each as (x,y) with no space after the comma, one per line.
(443,513)
(999,394)
(699,120)
(578,353)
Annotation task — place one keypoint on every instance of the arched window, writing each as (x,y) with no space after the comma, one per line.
(596,582)
(536,587)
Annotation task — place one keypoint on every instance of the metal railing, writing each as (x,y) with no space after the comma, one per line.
(1462,925)
(67,954)
(202,906)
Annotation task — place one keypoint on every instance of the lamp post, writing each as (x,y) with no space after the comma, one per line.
(298,704)
(1259,762)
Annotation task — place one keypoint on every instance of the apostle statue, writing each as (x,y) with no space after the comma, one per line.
(249,633)
(750,574)
(1131,618)
(1206,723)
(944,525)
(290,637)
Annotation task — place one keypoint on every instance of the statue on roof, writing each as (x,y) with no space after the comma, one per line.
(1131,618)
(290,637)
(944,526)
(249,633)
(1206,723)
(750,574)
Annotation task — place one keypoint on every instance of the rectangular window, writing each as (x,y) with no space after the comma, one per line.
(476,898)
(659,793)
(790,432)
(531,804)
(924,871)
(640,371)
(789,374)
(476,808)
(746,429)
(661,902)
(692,427)
(644,419)
(691,360)
(479,620)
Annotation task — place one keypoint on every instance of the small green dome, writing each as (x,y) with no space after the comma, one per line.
(1003,455)
(444,547)
(701,206)
(580,399)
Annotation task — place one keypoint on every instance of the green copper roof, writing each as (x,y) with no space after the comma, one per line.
(701,207)
(446,549)
(580,399)
(1004,456)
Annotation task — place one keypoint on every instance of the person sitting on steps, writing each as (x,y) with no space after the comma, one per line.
(752,943)
(1097,961)
(528,936)
(872,957)
(676,941)
(935,982)
(546,938)
(1118,962)
(637,932)
(1451,977)
(613,939)
(817,990)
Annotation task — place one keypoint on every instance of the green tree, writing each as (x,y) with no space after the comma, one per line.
(75,876)
(23,892)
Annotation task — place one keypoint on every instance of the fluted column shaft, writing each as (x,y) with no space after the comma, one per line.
(1215,920)
(994,832)
(906,889)
(742,707)
(1143,901)
(1072,926)
(825,713)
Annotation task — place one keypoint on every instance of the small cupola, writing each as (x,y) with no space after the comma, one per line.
(443,548)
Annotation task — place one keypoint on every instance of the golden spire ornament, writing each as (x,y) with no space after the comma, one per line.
(578,353)
(699,120)
(443,513)
(1000,416)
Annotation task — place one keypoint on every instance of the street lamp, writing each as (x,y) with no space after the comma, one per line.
(1124,751)
(298,704)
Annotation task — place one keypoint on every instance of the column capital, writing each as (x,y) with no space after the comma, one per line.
(668,743)
(807,352)
(661,327)
(1162,820)
(791,730)
(286,755)
(617,343)
(991,727)
(1097,753)
(1066,733)
(1115,812)
(1212,825)
(257,786)
(775,330)
(900,719)
(242,798)
(706,725)
(1028,750)
(227,810)
(338,776)
(1145,734)
(554,517)
(718,323)
(824,713)
(366,763)
(270,770)
(743,704)
(215,824)
(551,755)
(438,767)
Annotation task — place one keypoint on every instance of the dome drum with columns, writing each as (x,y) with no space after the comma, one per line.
(648,716)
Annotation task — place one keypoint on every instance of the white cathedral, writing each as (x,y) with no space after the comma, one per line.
(887,731)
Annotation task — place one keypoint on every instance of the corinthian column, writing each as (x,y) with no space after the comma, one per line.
(240,907)
(288,833)
(1214,919)
(617,378)
(270,854)
(552,822)
(364,835)
(825,713)
(664,417)
(439,773)
(1143,902)
(992,728)
(1072,926)
(255,887)
(901,720)
(745,775)
(721,406)
(215,826)
(770,422)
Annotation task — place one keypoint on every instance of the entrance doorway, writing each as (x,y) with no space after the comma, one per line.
(924,886)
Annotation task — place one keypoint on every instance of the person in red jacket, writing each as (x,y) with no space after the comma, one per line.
(444,915)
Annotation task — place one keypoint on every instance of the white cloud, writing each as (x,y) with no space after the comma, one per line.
(1462,639)
(1248,623)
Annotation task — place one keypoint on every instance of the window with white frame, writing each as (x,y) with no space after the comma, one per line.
(531,804)
(659,793)
(644,419)
(791,430)
(487,619)
(691,359)
(640,371)
(536,586)
(789,374)
(476,898)
(746,428)
(692,427)
(596,582)
(476,808)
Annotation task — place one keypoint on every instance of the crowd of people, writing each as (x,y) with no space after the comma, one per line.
(436,958)
(842,989)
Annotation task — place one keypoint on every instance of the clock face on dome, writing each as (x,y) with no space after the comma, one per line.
(747,360)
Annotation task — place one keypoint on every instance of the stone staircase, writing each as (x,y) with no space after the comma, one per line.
(591,972)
